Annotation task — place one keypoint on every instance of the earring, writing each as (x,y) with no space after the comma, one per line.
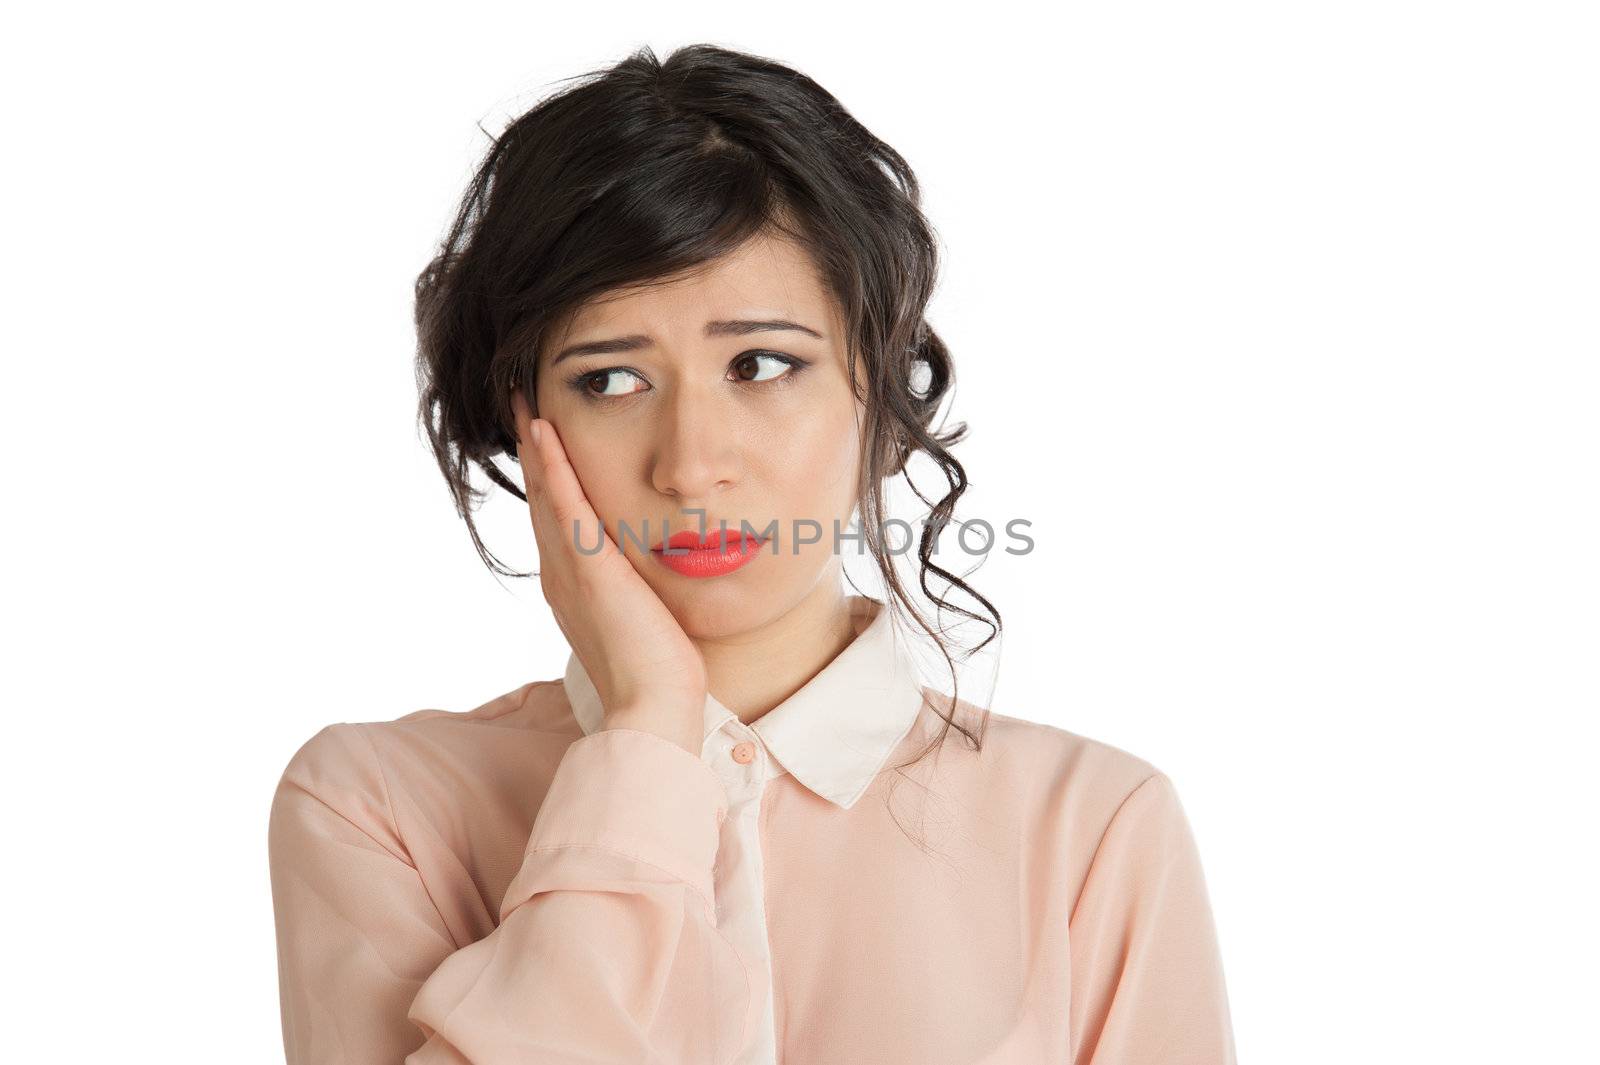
(921,378)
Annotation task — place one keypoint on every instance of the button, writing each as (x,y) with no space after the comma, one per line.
(744,752)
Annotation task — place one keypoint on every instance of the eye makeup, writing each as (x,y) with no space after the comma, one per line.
(583,383)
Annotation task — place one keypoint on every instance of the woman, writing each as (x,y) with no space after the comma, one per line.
(686,295)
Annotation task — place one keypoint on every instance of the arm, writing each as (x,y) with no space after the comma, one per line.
(1148,984)
(606,950)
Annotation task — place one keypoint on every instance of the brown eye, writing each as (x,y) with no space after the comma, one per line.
(749,367)
(601,383)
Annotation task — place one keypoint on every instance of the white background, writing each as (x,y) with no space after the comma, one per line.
(1278,320)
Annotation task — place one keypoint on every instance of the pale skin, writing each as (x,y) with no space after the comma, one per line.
(678,421)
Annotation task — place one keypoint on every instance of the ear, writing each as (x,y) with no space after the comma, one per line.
(522,413)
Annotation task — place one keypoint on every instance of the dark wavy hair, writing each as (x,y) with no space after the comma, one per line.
(644,170)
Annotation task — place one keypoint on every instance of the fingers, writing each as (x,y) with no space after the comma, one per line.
(557,479)
(555,496)
(528,455)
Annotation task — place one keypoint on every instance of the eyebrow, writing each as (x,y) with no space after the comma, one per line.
(727,327)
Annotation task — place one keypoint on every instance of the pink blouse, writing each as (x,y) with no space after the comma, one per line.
(514,884)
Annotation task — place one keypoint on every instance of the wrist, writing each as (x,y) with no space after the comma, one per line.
(674,725)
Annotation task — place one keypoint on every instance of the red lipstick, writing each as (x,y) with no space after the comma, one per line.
(708,556)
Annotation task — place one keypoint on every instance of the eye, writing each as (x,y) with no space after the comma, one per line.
(749,366)
(613,382)
(752,367)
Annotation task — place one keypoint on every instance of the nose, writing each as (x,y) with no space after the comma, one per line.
(697,453)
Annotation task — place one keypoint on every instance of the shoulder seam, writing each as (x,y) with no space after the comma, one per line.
(394,822)
(1112,820)
(347,819)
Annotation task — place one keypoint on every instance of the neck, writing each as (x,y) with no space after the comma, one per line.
(759,669)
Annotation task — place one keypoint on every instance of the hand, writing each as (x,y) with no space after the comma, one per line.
(648,673)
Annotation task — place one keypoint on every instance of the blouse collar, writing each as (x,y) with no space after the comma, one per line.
(835,733)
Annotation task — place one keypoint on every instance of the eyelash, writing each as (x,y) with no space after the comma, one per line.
(580,382)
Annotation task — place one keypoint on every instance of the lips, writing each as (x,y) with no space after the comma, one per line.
(689,540)
(711,555)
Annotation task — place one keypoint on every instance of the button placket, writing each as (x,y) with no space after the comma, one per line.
(742,767)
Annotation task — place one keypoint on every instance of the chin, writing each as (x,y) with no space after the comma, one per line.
(721,607)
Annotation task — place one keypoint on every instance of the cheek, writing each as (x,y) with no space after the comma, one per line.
(816,466)
(604,470)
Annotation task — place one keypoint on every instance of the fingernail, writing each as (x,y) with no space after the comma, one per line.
(535,431)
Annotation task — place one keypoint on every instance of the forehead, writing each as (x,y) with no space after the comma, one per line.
(769,276)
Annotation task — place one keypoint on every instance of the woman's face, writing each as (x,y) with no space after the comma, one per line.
(744,422)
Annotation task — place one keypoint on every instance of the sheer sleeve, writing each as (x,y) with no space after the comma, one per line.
(1148,985)
(606,949)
